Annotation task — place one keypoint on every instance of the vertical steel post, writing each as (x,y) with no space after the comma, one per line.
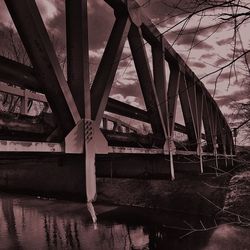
(78,54)
(104,123)
(207,125)
(158,54)
(199,107)
(78,80)
(24,103)
(173,89)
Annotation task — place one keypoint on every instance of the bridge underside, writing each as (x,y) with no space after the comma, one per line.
(79,122)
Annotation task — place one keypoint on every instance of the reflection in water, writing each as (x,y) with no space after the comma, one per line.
(28,223)
(43,224)
(8,214)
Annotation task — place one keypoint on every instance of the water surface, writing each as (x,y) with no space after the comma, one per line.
(38,223)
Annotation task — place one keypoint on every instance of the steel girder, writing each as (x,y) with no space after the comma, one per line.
(78,72)
(197,92)
(76,107)
(106,71)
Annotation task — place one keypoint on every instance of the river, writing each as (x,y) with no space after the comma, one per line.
(39,223)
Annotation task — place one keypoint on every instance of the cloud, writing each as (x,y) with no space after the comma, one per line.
(5,18)
(131,100)
(207,56)
(226,100)
(198,65)
(225,41)
(221,62)
(126,81)
(168,12)
(188,39)
(100,21)
(227,75)
(124,89)
(160,9)
(202,30)
(49,8)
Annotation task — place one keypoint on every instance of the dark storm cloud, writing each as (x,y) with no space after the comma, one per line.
(162,8)
(225,41)
(171,10)
(236,52)
(226,75)
(207,56)
(100,20)
(202,30)
(188,39)
(220,62)
(226,100)
(198,65)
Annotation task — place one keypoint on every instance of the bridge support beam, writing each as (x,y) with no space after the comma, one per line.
(28,21)
(146,81)
(158,53)
(107,68)
(81,138)
(18,74)
(213,118)
(199,103)
(207,125)
(187,111)
(173,89)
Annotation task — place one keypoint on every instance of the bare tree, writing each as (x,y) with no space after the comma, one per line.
(13,49)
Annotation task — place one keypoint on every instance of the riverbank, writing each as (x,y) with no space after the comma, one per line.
(190,195)
(237,201)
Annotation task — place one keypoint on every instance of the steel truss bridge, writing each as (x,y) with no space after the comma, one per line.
(78,110)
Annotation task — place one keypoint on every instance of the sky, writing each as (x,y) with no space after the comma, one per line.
(206,42)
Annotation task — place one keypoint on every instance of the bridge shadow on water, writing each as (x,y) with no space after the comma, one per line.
(39,223)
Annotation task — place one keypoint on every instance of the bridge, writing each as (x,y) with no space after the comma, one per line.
(86,120)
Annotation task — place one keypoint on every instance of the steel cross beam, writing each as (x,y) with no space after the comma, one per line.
(146,81)
(199,103)
(221,140)
(173,89)
(207,125)
(27,19)
(18,74)
(187,111)
(107,68)
(161,83)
